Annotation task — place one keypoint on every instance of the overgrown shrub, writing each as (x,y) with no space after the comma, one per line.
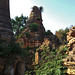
(38,18)
(34,27)
(10,48)
(51,62)
(48,32)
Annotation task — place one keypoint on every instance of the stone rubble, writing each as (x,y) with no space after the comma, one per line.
(69,61)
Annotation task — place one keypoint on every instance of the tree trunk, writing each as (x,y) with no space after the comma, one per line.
(17,31)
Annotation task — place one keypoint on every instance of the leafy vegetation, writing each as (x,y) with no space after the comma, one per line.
(18,24)
(62,34)
(51,62)
(11,48)
(48,32)
(27,34)
(34,27)
(38,18)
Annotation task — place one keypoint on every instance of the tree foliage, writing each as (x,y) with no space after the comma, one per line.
(51,63)
(48,32)
(18,24)
(62,34)
(10,48)
(34,27)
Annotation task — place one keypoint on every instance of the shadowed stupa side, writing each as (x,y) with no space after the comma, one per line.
(5,22)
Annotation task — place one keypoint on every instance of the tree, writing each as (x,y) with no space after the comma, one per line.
(61,34)
(18,24)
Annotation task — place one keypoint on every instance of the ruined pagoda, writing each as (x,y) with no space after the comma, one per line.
(5,22)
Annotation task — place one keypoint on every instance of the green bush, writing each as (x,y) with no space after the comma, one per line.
(51,63)
(37,18)
(34,27)
(48,32)
(10,48)
(27,34)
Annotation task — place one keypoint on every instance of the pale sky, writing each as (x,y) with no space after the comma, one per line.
(57,14)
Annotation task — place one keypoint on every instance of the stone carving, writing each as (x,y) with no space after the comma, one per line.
(69,61)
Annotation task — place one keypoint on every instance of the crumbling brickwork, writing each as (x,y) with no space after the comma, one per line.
(69,61)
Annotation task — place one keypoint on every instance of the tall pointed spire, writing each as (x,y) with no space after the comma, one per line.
(35,18)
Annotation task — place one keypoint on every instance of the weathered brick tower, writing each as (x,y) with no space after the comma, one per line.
(5,22)
(36,37)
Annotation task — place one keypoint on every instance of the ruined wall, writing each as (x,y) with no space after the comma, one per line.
(69,61)
(46,43)
(13,65)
